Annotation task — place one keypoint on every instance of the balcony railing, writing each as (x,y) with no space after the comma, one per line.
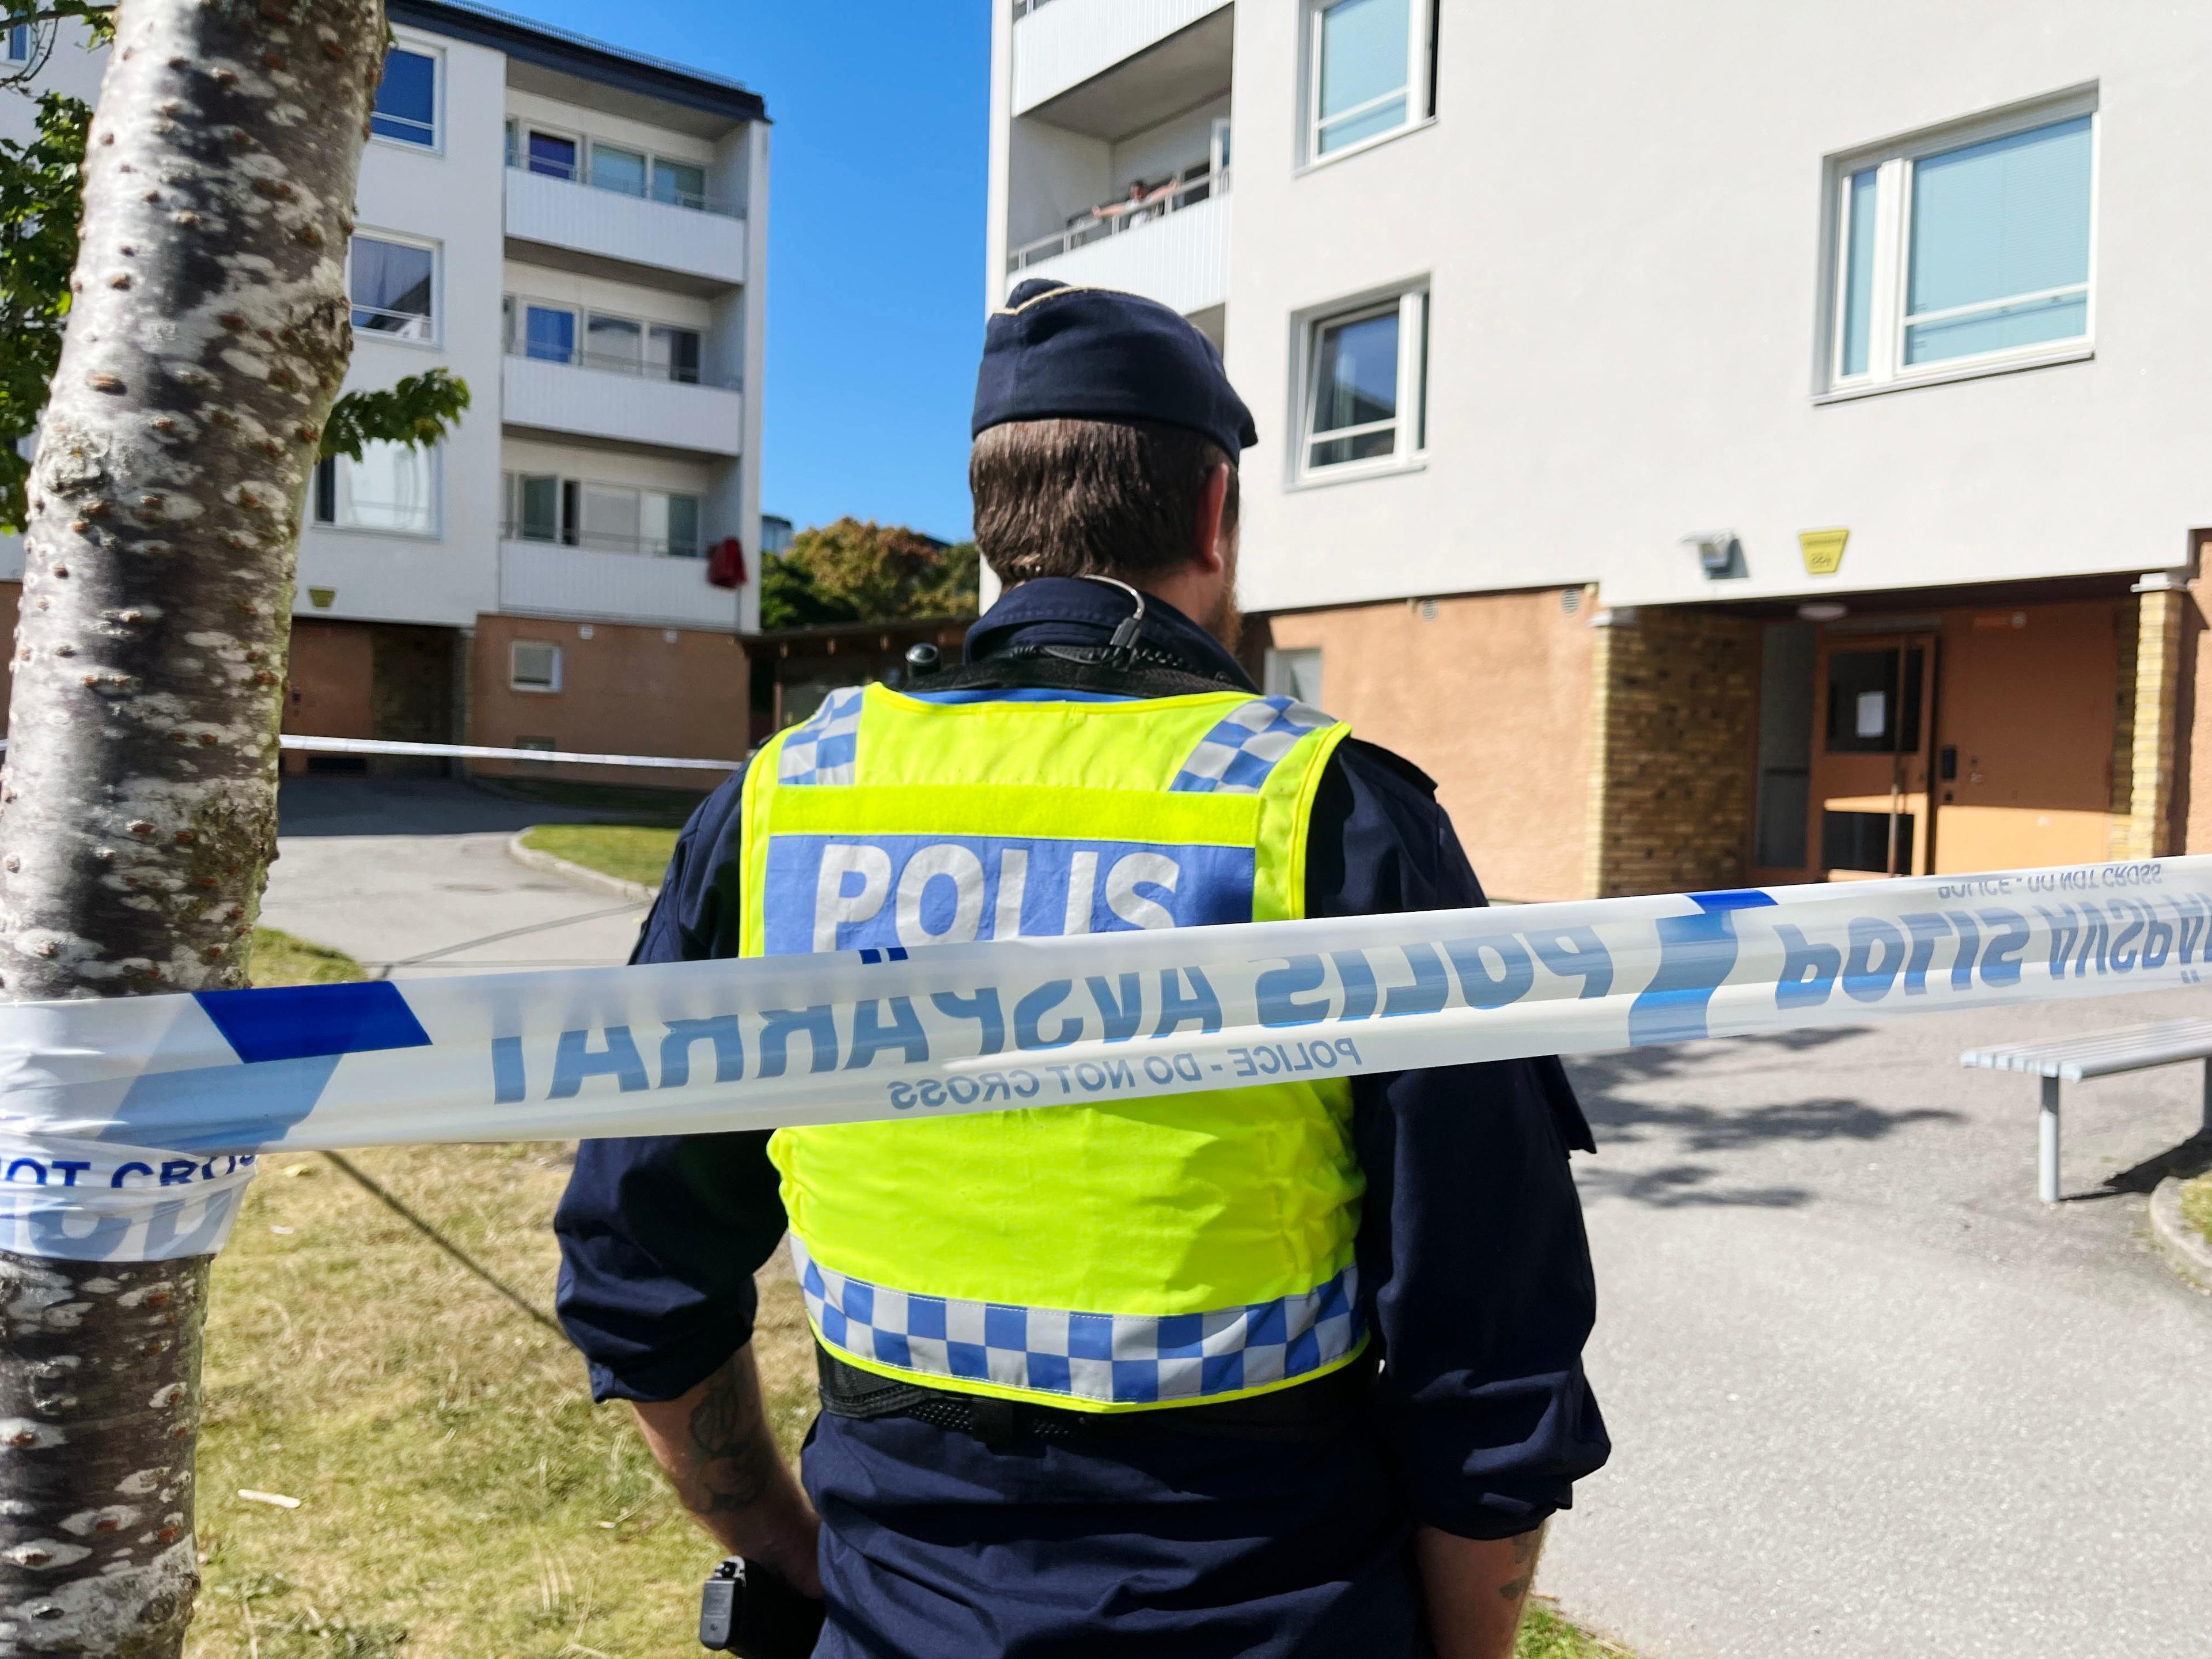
(576,172)
(660,547)
(614,364)
(1185,189)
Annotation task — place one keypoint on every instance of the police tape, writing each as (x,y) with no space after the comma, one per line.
(311,745)
(129,1126)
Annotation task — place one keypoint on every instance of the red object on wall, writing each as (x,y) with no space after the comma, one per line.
(726,563)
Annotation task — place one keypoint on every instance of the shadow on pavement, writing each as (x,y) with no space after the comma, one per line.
(415,806)
(1610,1086)
(2189,1159)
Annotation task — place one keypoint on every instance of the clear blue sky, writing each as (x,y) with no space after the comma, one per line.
(875,303)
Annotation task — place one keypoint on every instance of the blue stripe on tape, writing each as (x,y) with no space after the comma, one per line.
(301,1022)
(1695,955)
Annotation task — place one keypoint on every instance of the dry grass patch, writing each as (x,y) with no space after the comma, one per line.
(458,1490)
(2196,1205)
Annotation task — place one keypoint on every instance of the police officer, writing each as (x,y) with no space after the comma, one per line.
(1287,1369)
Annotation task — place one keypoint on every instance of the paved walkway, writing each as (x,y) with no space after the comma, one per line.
(1868,1396)
(412,878)
(1871,1400)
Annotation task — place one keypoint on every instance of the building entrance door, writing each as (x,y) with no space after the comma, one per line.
(1874,720)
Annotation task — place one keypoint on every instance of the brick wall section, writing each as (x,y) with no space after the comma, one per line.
(625,689)
(2128,642)
(2150,757)
(1674,724)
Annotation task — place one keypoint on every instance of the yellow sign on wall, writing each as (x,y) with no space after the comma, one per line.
(1823,550)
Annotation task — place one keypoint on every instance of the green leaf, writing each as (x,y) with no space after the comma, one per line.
(416,411)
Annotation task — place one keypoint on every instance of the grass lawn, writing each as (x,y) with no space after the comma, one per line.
(2197,1205)
(280,959)
(632,852)
(459,1496)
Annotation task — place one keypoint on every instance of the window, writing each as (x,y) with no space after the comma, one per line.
(18,43)
(393,285)
(615,343)
(407,99)
(1366,398)
(672,353)
(553,156)
(533,665)
(548,333)
(660,351)
(621,170)
(608,517)
(679,183)
(1369,70)
(1295,673)
(391,488)
(1953,255)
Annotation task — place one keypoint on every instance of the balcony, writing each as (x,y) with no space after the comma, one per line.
(1172,247)
(1061,46)
(611,399)
(549,579)
(692,241)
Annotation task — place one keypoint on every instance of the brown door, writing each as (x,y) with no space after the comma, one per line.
(1874,718)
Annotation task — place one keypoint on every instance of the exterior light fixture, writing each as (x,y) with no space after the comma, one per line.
(1823,610)
(1720,554)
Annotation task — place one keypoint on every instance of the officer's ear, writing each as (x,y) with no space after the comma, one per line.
(1213,537)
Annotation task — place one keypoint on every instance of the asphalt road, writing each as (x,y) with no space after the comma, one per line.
(1869,1398)
(412,878)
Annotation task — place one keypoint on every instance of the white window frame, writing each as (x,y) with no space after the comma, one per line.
(1893,165)
(524,128)
(514,680)
(1421,25)
(436,340)
(436,54)
(435,459)
(1409,448)
(1279,671)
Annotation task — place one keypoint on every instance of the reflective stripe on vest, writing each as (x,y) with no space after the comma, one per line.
(1133,1255)
(1106,1359)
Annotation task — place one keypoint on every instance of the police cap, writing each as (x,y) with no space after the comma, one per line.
(1095,354)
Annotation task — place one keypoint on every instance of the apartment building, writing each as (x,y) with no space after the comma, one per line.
(580,234)
(1719,443)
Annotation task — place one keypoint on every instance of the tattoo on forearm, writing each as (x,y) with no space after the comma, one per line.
(1525,1549)
(734,1462)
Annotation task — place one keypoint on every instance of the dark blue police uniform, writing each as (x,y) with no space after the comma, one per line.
(1473,1265)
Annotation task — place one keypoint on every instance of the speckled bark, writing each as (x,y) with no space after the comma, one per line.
(100,1395)
(137,810)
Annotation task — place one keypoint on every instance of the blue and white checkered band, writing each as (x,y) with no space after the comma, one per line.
(825,745)
(1236,756)
(1116,1359)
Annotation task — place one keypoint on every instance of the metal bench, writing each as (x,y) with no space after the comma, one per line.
(2096,1053)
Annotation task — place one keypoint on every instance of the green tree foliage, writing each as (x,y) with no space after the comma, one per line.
(856,572)
(39,207)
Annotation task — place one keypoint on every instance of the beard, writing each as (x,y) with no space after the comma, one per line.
(1226,624)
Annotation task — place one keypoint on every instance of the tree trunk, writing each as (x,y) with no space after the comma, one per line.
(207,340)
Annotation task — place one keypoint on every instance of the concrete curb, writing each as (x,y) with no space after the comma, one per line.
(2187,1250)
(582,875)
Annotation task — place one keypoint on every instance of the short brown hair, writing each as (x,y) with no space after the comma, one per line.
(1091,498)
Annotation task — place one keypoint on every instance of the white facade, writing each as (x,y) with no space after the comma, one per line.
(1618,241)
(641,423)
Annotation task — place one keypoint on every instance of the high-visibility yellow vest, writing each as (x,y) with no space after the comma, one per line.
(1111,1257)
